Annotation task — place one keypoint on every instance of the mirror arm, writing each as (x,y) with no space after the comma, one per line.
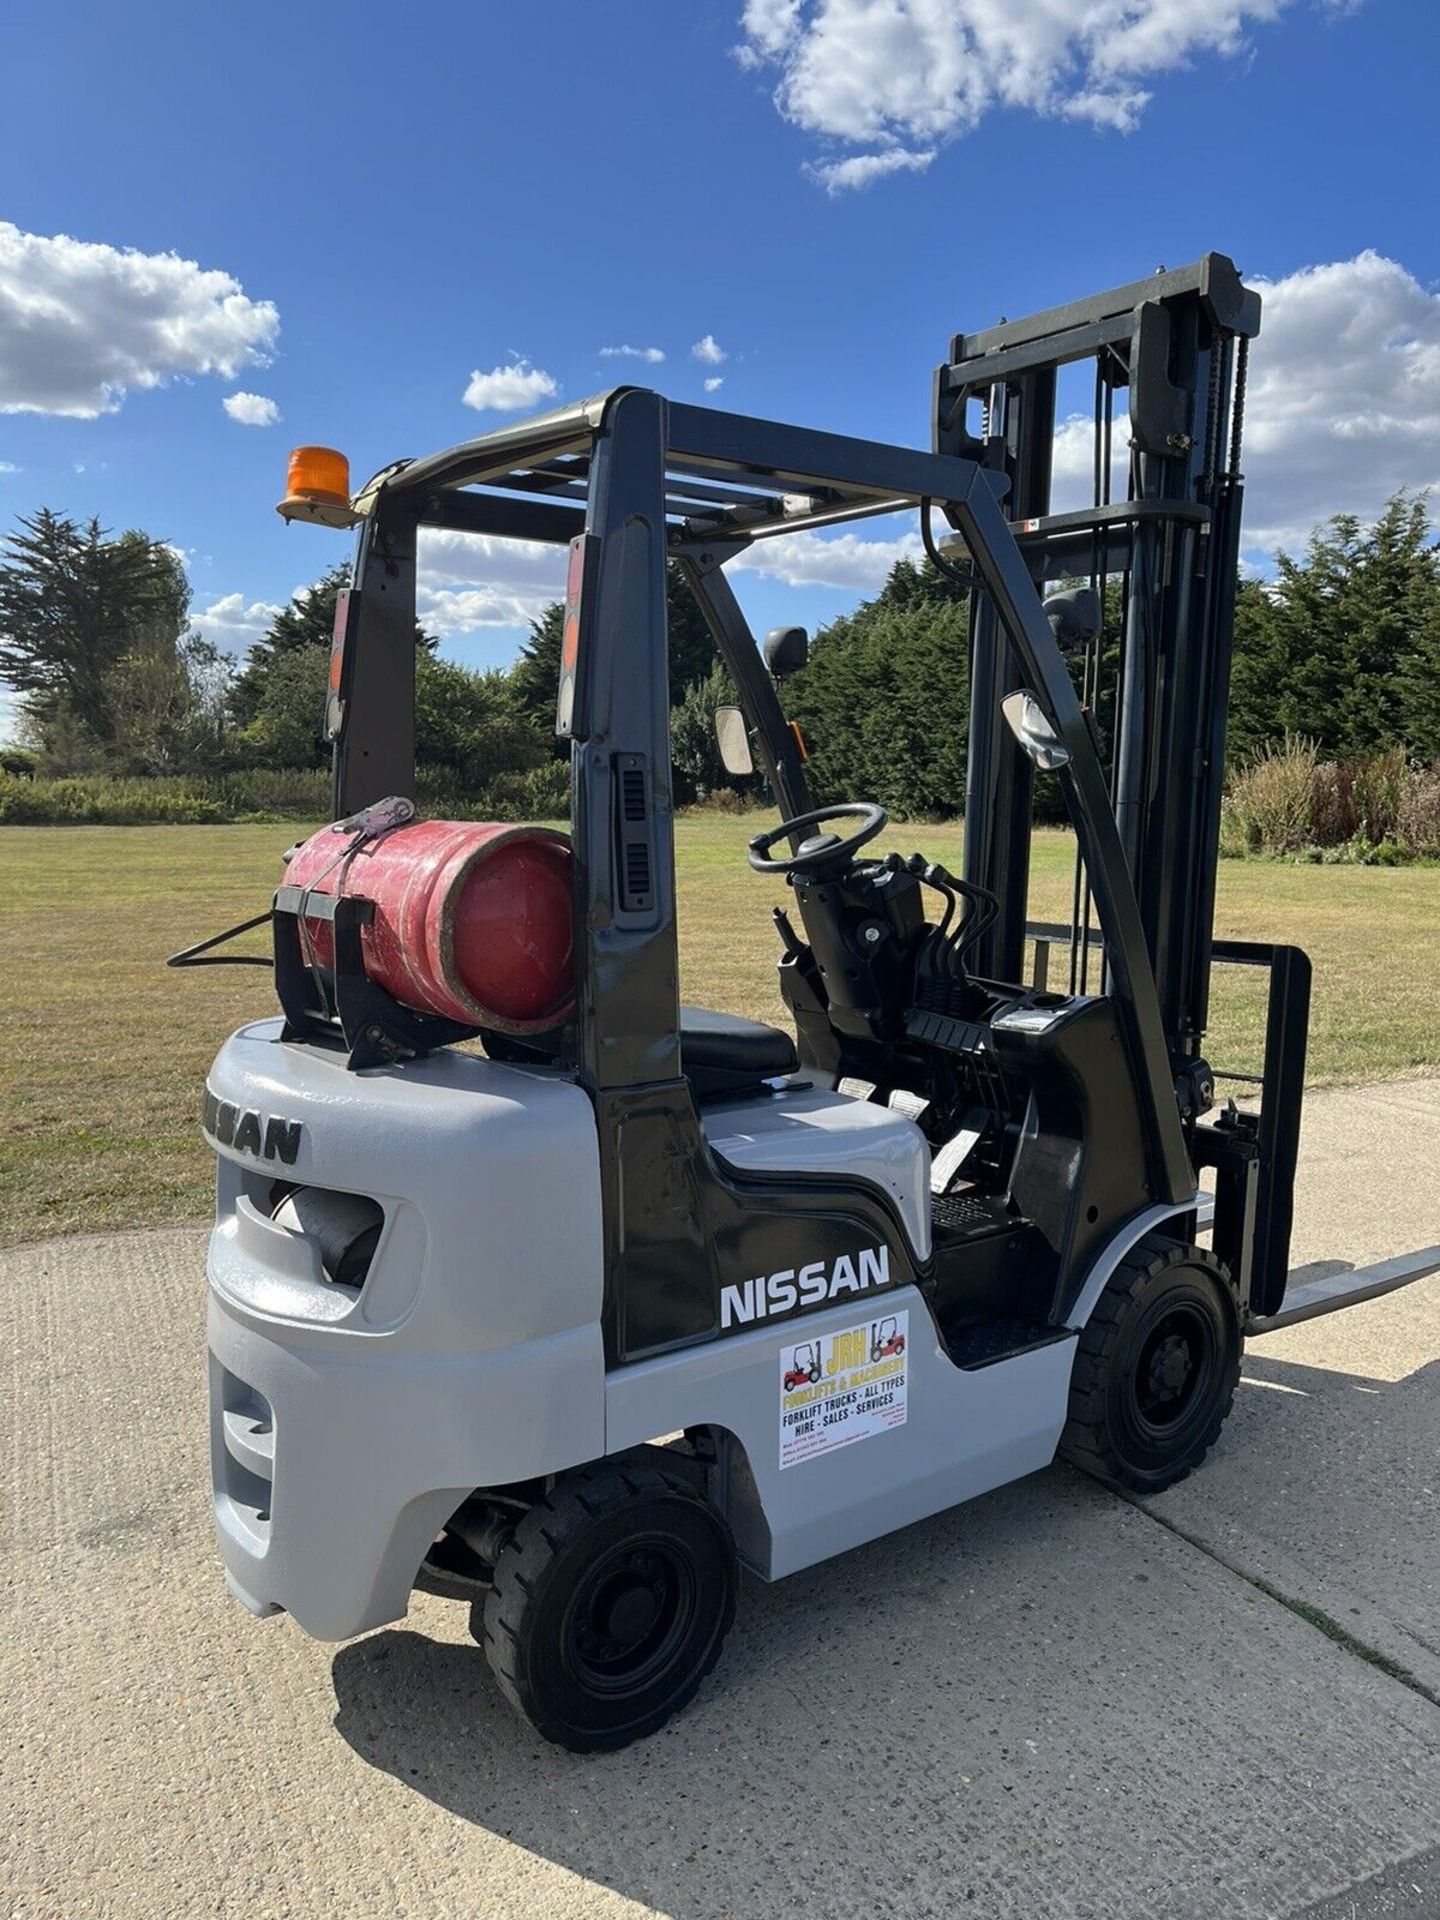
(775,744)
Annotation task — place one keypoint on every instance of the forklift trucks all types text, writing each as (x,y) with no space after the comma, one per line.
(521,1325)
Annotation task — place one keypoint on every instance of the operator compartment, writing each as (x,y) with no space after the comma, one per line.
(1020,1096)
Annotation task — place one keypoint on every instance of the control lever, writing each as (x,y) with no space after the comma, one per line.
(793,947)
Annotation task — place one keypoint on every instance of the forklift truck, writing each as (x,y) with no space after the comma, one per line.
(513,1322)
(804,1368)
(886,1338)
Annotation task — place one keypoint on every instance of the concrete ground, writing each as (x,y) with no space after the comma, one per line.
(1052,1702)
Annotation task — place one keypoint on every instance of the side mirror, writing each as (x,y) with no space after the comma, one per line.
(786,649)
(732,736)
(1075,616)
(1034,735)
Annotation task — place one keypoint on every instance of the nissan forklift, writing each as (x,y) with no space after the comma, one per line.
(516,1310)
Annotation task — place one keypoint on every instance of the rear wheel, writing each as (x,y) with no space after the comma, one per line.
(610,1604)
(1155,1369)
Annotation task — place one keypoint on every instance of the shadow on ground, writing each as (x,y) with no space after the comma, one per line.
(1042,1703)
(812,1687)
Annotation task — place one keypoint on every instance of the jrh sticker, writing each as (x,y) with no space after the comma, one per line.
(841,1387)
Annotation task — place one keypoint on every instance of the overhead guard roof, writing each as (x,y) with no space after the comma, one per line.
(740,494)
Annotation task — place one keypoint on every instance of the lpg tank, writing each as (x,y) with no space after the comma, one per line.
(473,919)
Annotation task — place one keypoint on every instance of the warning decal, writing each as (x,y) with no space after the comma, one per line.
(842,1386)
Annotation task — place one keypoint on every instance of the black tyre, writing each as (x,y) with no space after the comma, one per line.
(609,1605)
(1155,1369)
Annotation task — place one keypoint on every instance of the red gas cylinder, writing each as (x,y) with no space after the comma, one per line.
(473,920)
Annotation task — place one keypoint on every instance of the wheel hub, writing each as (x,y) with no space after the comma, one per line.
(1170,1367)
(626,1618)
(632,1613)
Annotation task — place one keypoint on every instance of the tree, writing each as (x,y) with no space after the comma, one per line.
(469,725)
(1344,645)
(308,621)
(284,727)
(694,751)
(168,707)
(917,583)
(277,699)
(535,676)
(884,701)
(692,647)
(1252,673)
(74,604)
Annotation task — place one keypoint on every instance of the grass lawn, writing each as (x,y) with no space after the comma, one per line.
(103,1053)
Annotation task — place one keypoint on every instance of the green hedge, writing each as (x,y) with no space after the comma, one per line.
(541,793)
(99,801)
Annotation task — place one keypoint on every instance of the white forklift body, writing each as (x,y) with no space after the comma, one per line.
(477,1332)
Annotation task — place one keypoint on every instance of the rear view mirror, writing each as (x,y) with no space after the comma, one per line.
(1074,616)
(1033,732)
(732,736)
(786,649)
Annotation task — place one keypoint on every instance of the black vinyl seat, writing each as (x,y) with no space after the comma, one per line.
(723,1053)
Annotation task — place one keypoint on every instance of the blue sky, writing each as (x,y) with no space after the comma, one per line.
(368,206)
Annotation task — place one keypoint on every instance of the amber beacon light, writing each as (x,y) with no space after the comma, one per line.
(317,487)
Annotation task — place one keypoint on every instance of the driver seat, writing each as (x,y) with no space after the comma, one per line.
(723,1053)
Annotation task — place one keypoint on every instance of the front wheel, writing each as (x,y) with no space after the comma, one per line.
(1155,1368)
(610,1604)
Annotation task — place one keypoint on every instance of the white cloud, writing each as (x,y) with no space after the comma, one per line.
(471,580)
(861,168)
(448,611)
(232,623)
(251,409)
(809,559)
(8,466)
(509,389)
(1342,406)
(1344,396)
(770,26)
(881,73)
(1073,464)
(709,352)
(652,354)
(714,383)
(82,323)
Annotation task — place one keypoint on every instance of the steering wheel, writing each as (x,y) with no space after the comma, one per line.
(820,849)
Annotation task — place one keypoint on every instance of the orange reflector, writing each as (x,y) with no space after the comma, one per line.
(317,487)
(799,739)
(574,587)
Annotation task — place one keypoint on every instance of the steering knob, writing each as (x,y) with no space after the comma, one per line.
(819,850)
